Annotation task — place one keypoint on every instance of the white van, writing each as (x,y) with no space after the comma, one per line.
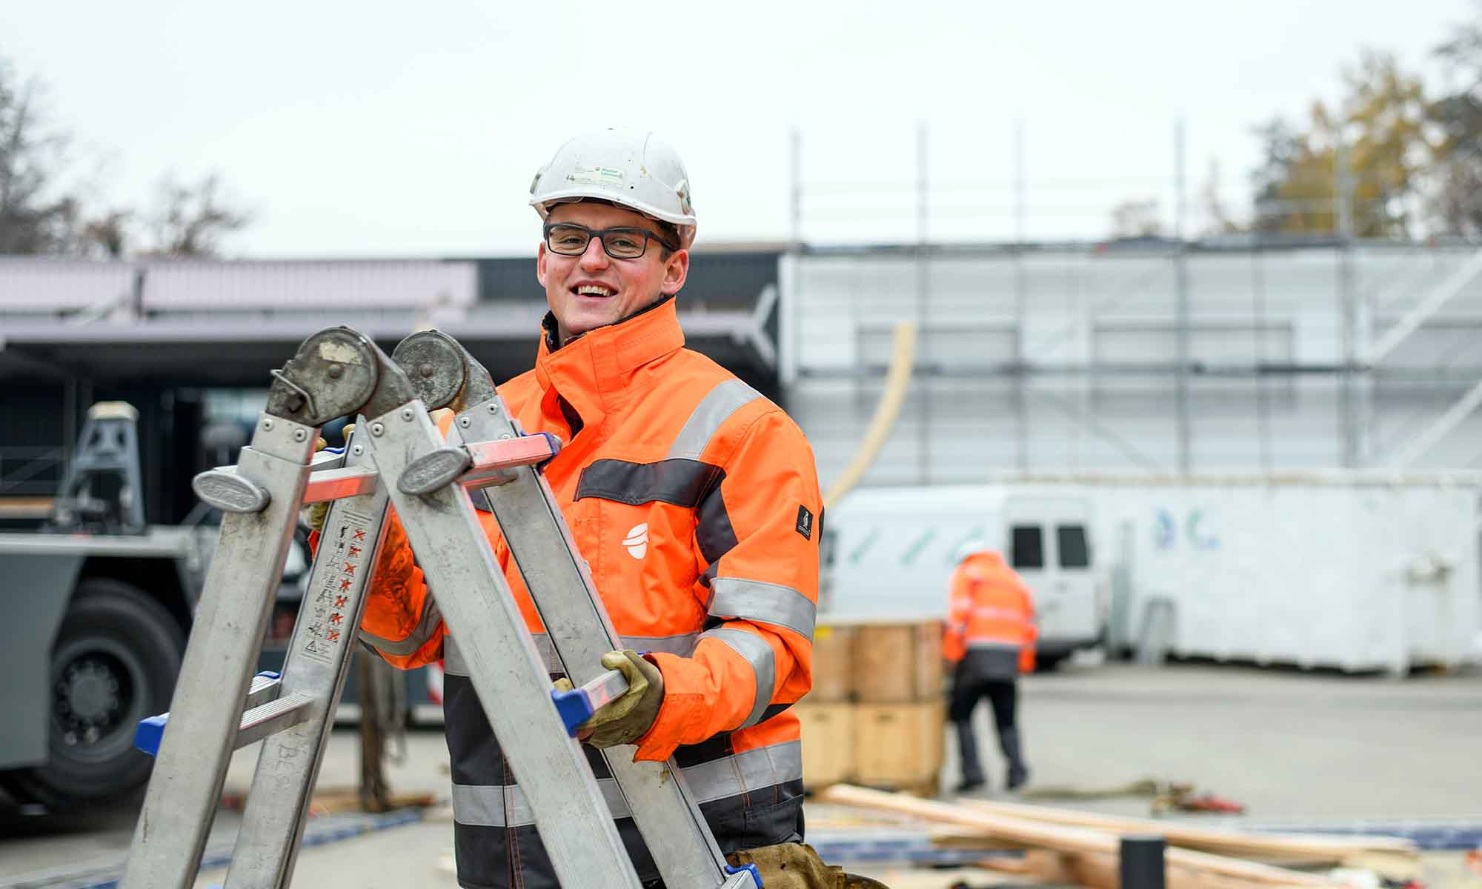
(889,553)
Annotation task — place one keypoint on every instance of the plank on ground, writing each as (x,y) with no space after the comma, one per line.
(1187,868)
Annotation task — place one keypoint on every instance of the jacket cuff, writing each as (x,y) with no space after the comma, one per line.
(679,714)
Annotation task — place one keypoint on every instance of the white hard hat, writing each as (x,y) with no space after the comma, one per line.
(967,548)
(634,170)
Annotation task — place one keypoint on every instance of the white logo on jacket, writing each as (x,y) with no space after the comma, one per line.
(637,541)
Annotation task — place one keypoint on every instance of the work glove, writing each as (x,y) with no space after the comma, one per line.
(625,720)
(797,866)
(314,514)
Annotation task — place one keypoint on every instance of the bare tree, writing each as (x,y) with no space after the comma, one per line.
(191,219)
(34,218)
(1458,158)
(1136,219)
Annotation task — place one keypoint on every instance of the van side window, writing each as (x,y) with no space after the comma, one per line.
(1074,553)
(1029,547)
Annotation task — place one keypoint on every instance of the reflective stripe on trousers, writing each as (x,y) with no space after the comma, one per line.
(734,775)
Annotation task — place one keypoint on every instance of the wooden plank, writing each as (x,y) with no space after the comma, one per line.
(25,507)
(1080,841)
(1294,847)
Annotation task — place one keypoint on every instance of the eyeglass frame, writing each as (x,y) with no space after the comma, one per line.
(601,235)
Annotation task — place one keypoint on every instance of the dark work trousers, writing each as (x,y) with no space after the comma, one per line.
(982,674)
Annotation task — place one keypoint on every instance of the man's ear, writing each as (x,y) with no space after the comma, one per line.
(676,269)
(540,271)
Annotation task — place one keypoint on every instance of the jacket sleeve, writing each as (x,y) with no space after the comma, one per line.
(401,619)
(1031,628)
(758,538)
(959,610)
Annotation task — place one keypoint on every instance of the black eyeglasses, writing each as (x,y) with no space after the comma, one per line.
(570,239)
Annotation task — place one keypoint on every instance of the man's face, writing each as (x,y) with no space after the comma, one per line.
(593,290)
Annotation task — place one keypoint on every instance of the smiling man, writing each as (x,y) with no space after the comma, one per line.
(694,502)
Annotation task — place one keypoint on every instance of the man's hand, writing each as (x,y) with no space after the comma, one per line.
(314,514)
(628,718)
(797,866)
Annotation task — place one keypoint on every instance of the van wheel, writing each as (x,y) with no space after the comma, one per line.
(1048,663)
(114,663)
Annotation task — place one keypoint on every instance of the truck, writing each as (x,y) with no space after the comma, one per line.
(95,607)
(1353,571)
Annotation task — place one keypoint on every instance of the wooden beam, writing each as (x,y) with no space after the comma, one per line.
(1090,849)
(1291,847)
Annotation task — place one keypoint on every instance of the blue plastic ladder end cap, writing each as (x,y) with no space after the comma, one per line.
(756,876)
(574,707)
(150,732)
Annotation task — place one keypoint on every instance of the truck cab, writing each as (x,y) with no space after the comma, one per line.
(95,607)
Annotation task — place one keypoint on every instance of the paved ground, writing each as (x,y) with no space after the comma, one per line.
(1293,747)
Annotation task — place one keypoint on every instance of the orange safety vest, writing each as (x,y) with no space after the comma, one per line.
(695,503)
(990,607)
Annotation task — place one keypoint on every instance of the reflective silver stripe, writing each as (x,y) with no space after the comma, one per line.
(682,645)
(767,603)
(994,611)
(494,806)
(755,650)
(711,413)
(431,617)
(741,772)
(994,644)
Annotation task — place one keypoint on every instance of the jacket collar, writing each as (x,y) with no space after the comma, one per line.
(596,372)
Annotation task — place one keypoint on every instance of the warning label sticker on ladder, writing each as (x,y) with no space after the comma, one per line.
(340,570)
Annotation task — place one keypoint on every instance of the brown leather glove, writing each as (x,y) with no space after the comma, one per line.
(625,720)
(314,514)
(797,866)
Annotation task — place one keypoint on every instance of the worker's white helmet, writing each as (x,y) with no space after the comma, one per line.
(968,548)
(634,170)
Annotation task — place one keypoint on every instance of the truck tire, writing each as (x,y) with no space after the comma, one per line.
(114,662)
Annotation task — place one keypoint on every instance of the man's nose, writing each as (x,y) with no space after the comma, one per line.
(595,256)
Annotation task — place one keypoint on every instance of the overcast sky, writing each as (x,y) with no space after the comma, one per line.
(380,129)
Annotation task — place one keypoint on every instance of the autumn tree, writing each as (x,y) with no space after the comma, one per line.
(1367,156)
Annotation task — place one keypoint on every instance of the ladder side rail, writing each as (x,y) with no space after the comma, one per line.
(317,664)
(220,660)
(508,674)
(683,847)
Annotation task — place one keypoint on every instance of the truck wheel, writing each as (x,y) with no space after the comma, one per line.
(114,662)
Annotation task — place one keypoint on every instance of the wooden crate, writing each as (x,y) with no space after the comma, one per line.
(897,663)
(899,746)
(828,743)
(833,668)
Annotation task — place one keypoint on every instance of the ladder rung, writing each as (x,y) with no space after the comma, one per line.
(578,705)
(507,453)
(273,717)
(151,729)
(335,484)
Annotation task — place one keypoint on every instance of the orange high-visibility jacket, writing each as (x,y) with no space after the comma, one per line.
(990,607)
(695,502)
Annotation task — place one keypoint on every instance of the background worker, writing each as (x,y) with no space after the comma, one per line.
(694,502)
(990,637)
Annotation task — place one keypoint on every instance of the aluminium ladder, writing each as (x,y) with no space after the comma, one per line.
(397,458)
